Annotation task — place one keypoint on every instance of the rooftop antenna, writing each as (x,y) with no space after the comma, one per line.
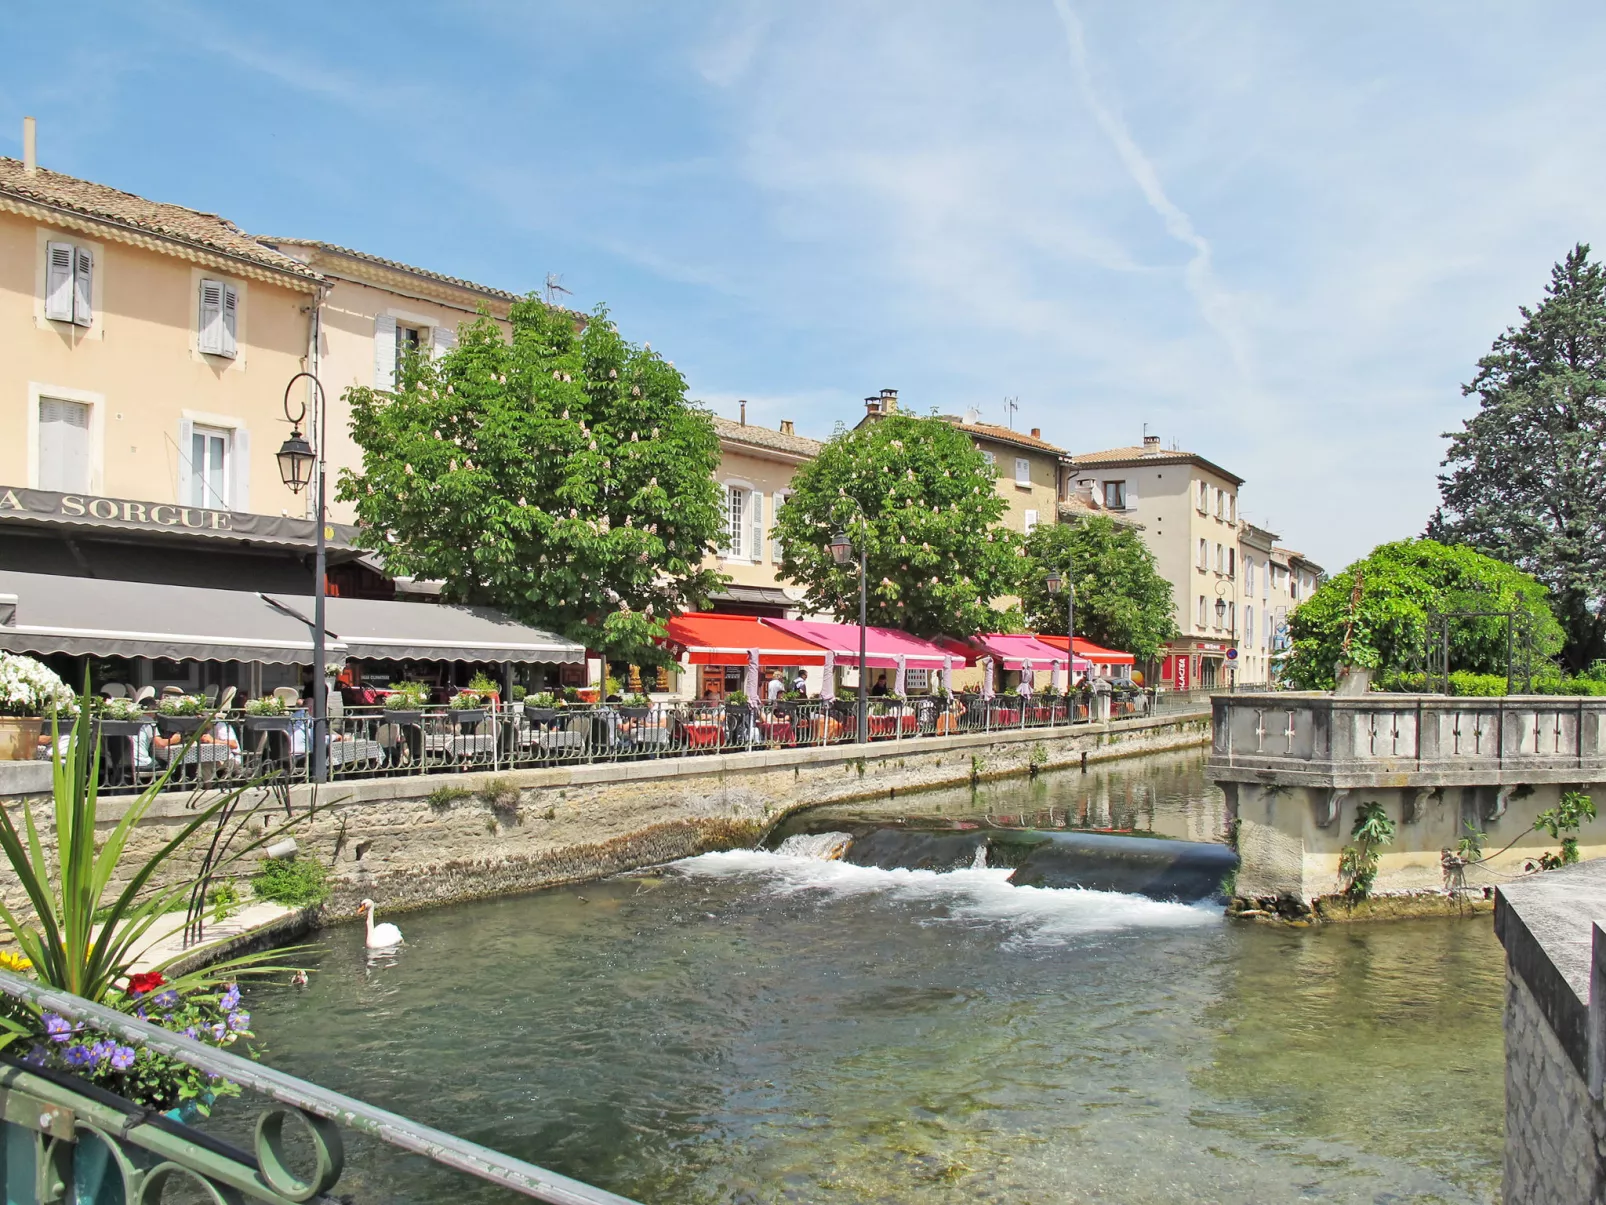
(1011,405)
(554,286)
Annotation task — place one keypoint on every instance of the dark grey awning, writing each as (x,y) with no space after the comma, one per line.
(80,616)
(768,596)
(403,631)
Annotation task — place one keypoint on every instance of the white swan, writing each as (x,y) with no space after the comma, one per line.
(379,936)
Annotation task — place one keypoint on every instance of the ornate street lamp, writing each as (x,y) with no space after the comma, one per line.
(1221,611)
(297,462)
(842,553)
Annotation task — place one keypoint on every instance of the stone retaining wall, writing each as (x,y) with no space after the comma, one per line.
(413,842)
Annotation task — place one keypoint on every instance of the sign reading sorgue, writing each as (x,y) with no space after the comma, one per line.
(46,506)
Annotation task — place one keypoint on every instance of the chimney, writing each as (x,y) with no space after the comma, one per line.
(1037,433)
(743,405)
(30,146)
(872,405)
(1151,443)
(786,427)
(889,401)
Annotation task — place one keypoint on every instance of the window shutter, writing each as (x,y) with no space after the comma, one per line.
(83,310)
(231,310)
(58,281)
(757,549)
(442,339)
(186,473)
(1031,521)
(240,470)
(777,500)
(384,352)
(725,529)
(209,324)
(1023,471)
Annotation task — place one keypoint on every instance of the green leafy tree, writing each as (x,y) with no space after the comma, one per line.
(562,477)
(1526,479)
(1400,584)
(1122,602)
(937,556)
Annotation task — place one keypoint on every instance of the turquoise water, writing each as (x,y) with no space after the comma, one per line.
(744,1027)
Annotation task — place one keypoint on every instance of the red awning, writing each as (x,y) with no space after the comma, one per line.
(1095,653)
(882,646)
(1012,649)
(727,640)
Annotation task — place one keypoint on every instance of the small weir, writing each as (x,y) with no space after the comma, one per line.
(1161,869)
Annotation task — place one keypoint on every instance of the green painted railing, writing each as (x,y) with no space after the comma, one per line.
(65,1140)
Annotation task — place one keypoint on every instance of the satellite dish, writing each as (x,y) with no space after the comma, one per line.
(972,417)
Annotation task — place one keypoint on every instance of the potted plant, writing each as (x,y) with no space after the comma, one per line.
(267,714)
(635,707)
(405,703)
(466,707)
(540,708)
(737,699)
(29,690)
(122,718)
(180,714)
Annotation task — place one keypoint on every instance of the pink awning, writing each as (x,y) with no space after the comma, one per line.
(883,646)
(1012,649)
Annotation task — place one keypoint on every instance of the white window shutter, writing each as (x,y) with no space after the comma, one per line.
(441,339)
(240,470)
(757,549)
(384,352)
(1023,471)
(776,551)
(58,281)
(725,529)
(231,314)
(1031,521)
(186,473)
(209,323)
(83,295)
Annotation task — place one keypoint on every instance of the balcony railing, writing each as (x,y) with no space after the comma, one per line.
(72,1141)
(367,742)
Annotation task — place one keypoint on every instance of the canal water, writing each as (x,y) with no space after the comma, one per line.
(746,1027)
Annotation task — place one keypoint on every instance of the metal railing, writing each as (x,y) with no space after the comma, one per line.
(367,742)
(91,1147)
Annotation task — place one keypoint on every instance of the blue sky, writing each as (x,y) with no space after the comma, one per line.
(1278,234)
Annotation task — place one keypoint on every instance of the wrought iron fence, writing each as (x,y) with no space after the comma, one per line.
(365,742)
(72,1141)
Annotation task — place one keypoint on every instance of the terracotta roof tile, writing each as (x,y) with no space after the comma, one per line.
(397,265)
(1141,456)
(1003,435)
(174,222)
(763,437)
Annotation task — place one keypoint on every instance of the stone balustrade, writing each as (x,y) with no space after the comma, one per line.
(1380,739)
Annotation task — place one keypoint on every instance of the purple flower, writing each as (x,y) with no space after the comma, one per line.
(218,1030)
(123,1058)
(168,999)
(102,1050)
(238,1021)
(79,1056)
(190,1032)
(140,1013)
(58,1029)
(35,1057)
(231,998)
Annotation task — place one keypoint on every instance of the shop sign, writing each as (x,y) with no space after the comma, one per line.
(129,515)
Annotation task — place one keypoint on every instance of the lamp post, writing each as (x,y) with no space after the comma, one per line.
(297,460)
(841,553)
(1054,582)
(1221,622)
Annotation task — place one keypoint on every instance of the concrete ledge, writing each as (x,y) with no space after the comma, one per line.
(1545,923)
(25,778)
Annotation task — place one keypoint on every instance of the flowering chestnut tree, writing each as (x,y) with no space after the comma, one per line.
(562,477)
(920,497)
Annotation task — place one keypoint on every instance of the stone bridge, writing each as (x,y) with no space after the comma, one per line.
(1296,765)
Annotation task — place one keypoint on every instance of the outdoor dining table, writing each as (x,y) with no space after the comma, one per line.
(703,734)
(781,732)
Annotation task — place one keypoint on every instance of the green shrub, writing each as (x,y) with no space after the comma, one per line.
(225,900)
(294,882)
(483,684)
(519,694)
(1480,686)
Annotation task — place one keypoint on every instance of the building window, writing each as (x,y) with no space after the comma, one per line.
(1232,507)
(735,521)
(1201,610)
(1204,554)
(209,467)
(1204,498)
(1115,495)
(1249,575)
(1023,471)
(776,551)
(1221,559)
(219,318)
(410,341)
(1232,562)
(1249,624)
(69,274)
(1232,617)
(1031,521)
(990,458)
(916,680)
(63,446)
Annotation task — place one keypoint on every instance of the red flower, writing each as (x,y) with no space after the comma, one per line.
(147,981)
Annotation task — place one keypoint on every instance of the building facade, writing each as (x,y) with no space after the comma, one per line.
(147,351)
(1187,507)
(1256,547)
(756,467)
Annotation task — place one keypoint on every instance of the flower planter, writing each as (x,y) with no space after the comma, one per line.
(540,715)
(180,725)
(123,729)
(404,716)
(469,715)
(19,737)
(635,713)
(269,723)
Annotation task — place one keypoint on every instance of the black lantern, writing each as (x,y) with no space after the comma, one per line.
(295,461)
(841,548)
(1221,611)
(1053,581)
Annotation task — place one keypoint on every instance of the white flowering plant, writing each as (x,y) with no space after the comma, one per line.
(31,688)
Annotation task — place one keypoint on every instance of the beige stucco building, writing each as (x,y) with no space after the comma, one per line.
(1188,509)
(756,468)
(374,311)
(147,349)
